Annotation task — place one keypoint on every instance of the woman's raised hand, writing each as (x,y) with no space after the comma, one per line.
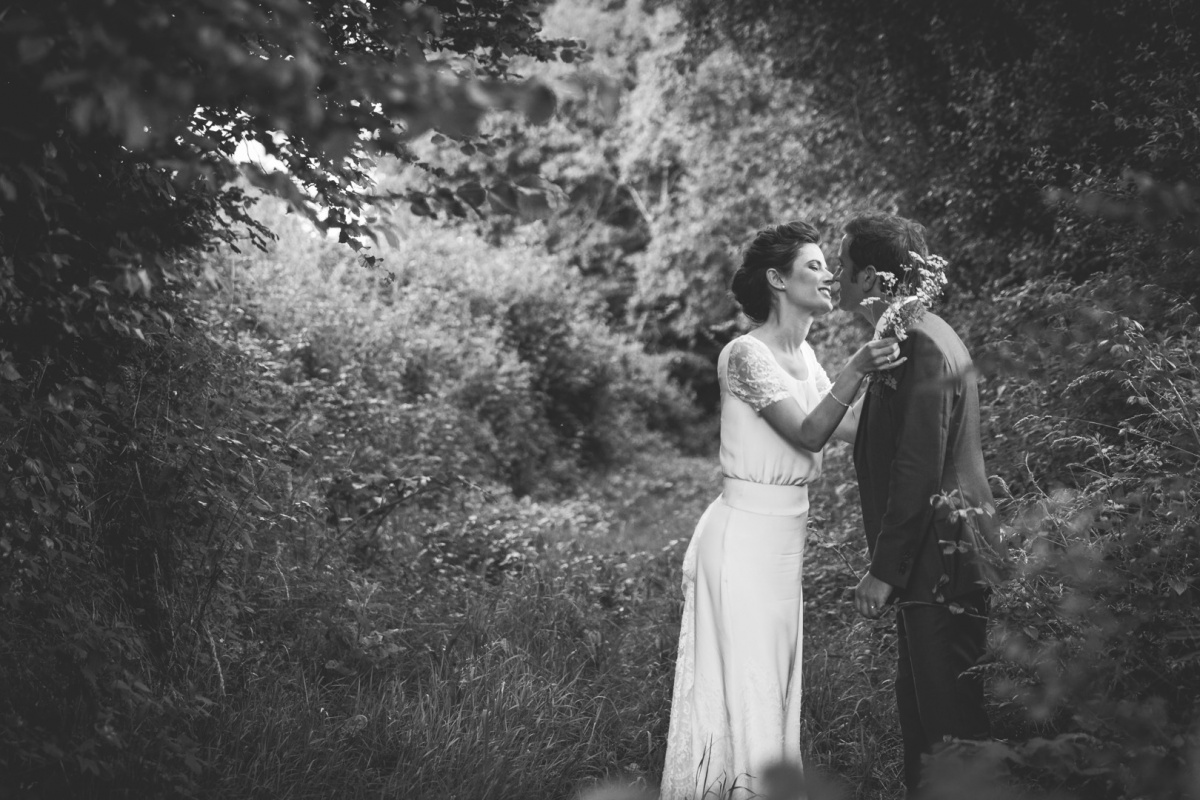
(877,355)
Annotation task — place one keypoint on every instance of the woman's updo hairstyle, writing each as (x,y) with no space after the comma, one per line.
(772,248)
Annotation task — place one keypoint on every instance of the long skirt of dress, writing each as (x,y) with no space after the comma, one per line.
(736,702)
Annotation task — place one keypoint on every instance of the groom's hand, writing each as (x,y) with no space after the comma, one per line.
(871,595)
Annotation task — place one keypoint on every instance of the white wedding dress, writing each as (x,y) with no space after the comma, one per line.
(736,703)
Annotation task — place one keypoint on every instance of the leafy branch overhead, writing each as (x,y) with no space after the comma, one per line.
(319,85)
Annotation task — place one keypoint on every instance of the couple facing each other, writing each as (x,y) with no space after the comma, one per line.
(736,700)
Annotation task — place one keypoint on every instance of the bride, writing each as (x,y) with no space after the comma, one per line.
(736,702)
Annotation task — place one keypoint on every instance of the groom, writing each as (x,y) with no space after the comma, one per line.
(918,440)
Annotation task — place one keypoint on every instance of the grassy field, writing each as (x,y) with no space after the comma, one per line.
(442,676)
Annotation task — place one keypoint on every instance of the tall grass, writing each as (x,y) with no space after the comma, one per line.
(850,725)
(551,680)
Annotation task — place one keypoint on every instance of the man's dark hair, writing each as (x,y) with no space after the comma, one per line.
(884,241)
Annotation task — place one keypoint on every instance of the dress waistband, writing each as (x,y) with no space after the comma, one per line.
(763,498)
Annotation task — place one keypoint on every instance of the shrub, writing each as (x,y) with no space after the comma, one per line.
(135,497)
(450,358)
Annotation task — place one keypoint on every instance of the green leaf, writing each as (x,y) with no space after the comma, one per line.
(503,198)
(472,194)
(533,203)
(538,102)
(420,207)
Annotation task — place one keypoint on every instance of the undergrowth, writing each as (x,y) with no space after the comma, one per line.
(336,556)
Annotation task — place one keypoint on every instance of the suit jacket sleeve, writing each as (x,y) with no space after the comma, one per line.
(920,408)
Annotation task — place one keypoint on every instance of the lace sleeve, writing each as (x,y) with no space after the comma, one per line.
(753,375)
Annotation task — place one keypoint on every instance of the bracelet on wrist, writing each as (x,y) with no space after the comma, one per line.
(836,400)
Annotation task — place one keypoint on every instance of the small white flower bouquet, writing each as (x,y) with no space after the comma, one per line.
(908,300)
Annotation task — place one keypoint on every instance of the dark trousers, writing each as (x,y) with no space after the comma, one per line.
(934,697)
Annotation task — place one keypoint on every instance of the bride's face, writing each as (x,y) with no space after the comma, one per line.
(809,287)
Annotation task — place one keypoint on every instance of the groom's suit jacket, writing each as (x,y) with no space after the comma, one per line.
(917,441)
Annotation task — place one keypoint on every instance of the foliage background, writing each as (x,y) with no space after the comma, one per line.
(403,513)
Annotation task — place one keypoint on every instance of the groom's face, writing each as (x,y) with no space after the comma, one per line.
(850,294)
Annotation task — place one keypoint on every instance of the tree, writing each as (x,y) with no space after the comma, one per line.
(973,110)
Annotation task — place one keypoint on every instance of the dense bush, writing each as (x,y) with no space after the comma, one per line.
(117,563)
(1093,390)
(450,358)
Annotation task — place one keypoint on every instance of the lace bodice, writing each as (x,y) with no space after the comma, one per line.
(751,379)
